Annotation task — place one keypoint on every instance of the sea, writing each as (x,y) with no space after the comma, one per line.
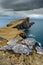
(35,31)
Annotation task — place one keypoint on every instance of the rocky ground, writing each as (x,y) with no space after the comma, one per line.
(10,58)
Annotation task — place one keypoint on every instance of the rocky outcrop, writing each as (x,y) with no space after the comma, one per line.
(23,35)
(22,24)
(29,41)
(25,46)
(39,50)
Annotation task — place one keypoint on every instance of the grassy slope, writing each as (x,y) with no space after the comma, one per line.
(9,33)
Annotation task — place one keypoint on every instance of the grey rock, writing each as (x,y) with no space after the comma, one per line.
(39,50)
(19,48)
(13,41)
(29,41)
(7,47)
(31,47)
(26,48)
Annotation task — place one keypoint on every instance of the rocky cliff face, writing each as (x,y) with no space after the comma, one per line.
(15,29)
(22,24)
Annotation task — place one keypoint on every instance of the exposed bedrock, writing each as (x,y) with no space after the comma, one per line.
(39,50)
(23,35)
(23,46)
(21,24)
(24,25)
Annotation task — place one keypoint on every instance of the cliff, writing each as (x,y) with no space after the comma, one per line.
(15,30)
(21,24)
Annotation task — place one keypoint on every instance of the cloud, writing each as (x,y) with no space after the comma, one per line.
(11,13)
(29,13)
(35,11)
(17,5)
(21,8)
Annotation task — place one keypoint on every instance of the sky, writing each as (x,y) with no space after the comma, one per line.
(21,7)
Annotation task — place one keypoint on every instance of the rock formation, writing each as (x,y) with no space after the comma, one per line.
(23,35)
(26,47)
(39,50)
(22,24)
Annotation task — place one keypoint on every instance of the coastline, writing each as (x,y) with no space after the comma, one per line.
(17,59)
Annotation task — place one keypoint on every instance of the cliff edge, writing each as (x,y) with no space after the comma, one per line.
(15,30)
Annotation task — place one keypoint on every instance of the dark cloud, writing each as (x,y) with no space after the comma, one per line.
(17,5)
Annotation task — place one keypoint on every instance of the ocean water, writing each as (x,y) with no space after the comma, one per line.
(36,31)
(4,20)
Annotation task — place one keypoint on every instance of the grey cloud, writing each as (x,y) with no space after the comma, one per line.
(35,11)
(10,12)
(17,5)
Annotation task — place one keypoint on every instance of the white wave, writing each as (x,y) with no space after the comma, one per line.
(39,44)
(31,35)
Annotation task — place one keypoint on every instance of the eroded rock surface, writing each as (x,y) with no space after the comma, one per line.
(39,50)
(21,24)
(24,47)
(29,41)
(16,48)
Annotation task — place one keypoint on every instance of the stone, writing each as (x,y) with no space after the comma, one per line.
(13,41)
(23,49)
(29,41)
(26,47)
(31,47)
(23,35)
(17,48)
(39,50)
(7,47)
(21,24)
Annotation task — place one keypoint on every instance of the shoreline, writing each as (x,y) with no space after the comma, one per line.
(8,57)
